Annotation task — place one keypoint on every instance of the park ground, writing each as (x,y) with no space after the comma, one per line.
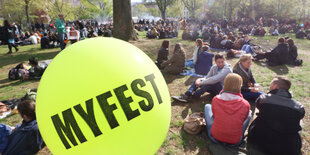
(177,140)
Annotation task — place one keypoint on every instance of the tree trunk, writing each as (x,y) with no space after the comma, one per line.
(122,19)
(163,14)
(27,10)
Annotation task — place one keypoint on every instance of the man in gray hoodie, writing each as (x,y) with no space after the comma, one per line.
(212,83)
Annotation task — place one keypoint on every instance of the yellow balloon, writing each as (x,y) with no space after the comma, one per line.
(103,96)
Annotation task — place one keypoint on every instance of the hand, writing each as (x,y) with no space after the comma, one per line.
(12,128)
(253,90)
(198,82)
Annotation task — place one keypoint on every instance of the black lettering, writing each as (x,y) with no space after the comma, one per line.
(142,93)
(108,109)
(151,78)
(125,101)
(89,117)
(70,123)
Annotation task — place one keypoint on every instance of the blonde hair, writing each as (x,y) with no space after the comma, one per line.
(233,83)
(244,58)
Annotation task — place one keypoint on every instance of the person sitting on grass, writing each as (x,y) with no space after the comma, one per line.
(229,115)
(243,68)
(204,61)
(278,56)
(163,53)
(45,41)
(25,138)
(212,83)
(301,34)
(293,54)
(276,128)
(176,63)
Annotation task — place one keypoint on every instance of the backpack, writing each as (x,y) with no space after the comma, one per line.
(14,74)
(31,94)
(193,123)
(298,62)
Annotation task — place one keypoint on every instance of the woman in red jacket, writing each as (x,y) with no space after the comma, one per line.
(229,115)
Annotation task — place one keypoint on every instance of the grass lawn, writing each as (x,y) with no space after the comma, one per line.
(177,141)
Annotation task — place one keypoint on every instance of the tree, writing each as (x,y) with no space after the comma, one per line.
(162,5)
(175,10)
(139,10)
(194,7)
(122,20)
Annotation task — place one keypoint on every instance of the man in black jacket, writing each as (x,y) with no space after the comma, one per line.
(278,56)
(276,128)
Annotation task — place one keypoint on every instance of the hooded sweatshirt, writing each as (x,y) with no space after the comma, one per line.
(230,110)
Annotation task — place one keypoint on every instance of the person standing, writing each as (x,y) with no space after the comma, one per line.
(10,35)
(60,29)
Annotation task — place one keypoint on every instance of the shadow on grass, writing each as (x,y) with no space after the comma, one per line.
(4,81)
(13,59)
(279,70)
(170,78)
(15,83)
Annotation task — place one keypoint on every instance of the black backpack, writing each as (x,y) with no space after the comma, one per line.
(13,73)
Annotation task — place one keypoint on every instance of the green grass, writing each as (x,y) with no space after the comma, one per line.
(177,140)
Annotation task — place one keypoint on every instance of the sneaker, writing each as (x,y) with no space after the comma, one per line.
(10,52)
(182,98)
(17,50)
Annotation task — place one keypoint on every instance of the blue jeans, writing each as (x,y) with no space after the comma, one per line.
(209,121)
(61,37)
(248,49)
(196,92)
(189,63)
(250,96)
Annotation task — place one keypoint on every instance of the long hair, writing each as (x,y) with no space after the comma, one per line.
(233,83)
(199,41)
(177,47)
(165,44)
(244,58)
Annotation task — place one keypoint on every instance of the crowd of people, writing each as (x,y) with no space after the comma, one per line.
(160,29)
(55,34)
(233,88)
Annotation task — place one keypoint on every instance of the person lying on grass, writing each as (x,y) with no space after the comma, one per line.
(212,83)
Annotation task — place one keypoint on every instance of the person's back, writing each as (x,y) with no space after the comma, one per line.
(25,138)
(45,42)
(279,55)
(33,39)
(204,62)
(275,130)
(230,110)
(300,34)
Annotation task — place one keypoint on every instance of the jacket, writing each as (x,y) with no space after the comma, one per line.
(177,59)
(275,130)
(246,75)
(279,55)
(60,26)
(25,139)
(204,63)
(162,55)
(214,76)
(292,54)
(5,131)
(230,110)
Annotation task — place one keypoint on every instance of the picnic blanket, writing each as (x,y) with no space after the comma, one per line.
(218,50)
(191,72)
